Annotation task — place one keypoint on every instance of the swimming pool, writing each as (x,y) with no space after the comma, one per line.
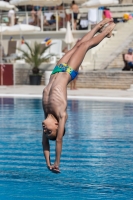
(97,157)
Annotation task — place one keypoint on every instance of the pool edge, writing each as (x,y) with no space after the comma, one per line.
(97,98)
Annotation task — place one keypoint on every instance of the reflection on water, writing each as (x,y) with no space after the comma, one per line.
(96,161)
(8,101)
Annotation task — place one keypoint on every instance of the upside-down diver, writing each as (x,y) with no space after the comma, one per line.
(55,93)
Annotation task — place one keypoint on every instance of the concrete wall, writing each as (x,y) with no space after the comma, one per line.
(105,80)
(89,79)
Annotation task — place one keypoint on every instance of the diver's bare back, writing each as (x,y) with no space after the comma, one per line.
(55,94)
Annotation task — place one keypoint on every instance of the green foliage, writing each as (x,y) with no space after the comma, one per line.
(35,56)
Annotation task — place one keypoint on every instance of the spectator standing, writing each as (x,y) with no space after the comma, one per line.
(33,13)
(11,16)
(73,83)
(62,15)
(39,14)
(75,9)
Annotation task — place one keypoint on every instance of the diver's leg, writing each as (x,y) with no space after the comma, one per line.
(87,37)
(67,55)
(78,56)
(97,28)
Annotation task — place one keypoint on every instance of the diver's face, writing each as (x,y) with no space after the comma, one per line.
(50,128)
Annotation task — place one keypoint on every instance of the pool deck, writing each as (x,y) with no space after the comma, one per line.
(28,91)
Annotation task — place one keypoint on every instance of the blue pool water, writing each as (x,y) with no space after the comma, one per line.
(97,157)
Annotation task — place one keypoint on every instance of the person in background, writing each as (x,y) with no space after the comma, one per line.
(51,21)
(33,13)
(129,57)
(34,23)
(107,13)
(73,84)
(75,9)
(11,16)
(39,13)
(48,14)
(32,17)
(62,15)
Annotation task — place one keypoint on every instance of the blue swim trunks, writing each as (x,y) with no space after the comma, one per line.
(65,68)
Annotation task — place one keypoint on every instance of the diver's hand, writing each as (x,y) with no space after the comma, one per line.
(49,167)
(55,169)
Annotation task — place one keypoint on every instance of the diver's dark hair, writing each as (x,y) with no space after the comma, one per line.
(54,138)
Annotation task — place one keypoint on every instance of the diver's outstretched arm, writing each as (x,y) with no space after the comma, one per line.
(46,150)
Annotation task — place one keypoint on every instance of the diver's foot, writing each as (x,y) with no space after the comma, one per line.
(102,24)
(99,37)
(108,30)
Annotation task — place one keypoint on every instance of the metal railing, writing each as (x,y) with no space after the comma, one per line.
(60,18)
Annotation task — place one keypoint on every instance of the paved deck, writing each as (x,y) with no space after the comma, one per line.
(97,94)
